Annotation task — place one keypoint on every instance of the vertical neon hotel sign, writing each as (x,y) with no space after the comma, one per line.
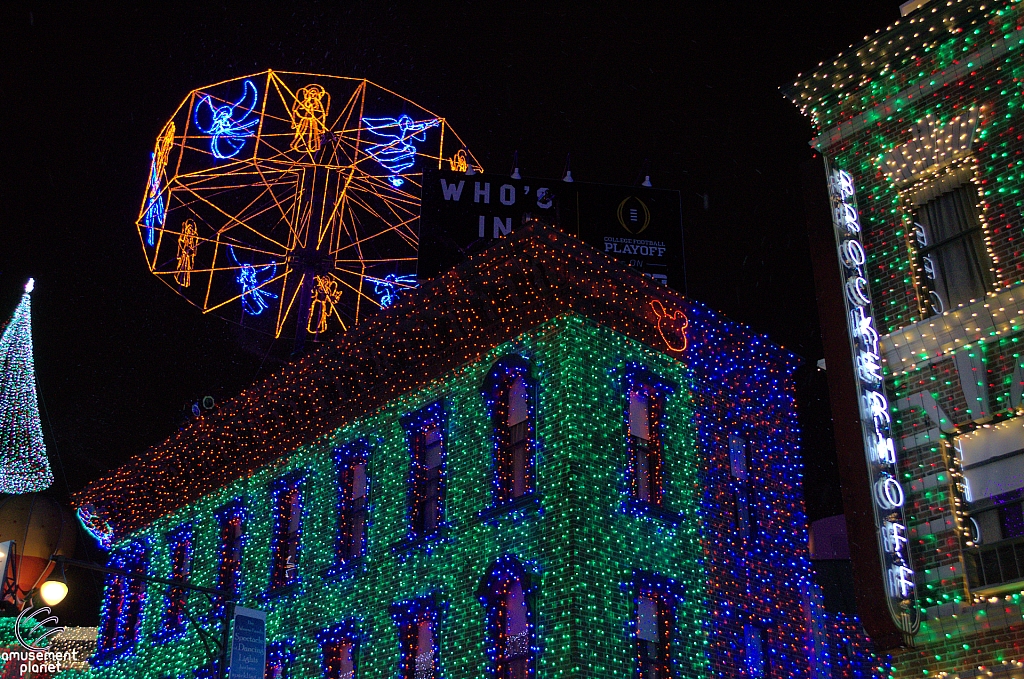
(879,448)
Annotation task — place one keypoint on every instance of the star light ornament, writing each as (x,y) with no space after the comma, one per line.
(23,464)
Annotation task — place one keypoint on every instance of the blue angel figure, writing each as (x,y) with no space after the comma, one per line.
(230,124)
(387,288)
(254,296)
(155,210)
(397,154)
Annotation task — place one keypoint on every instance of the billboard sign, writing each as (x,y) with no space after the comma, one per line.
(463,213)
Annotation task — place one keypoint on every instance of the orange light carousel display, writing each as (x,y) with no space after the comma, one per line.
(281,199)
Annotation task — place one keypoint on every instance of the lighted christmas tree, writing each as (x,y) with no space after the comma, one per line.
(23,464)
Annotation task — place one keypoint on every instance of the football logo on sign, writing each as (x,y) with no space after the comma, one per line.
(634,215)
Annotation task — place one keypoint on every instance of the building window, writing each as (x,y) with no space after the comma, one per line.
(653,627)
(504,594)
(756,652)
(179,545)
(284,545)
(123,604)
(744,519)
(507,391)
(353,489)
(340,648)
(232,539)
(425,431)
(644,443)
(951,248)
(279,660)
(417,639)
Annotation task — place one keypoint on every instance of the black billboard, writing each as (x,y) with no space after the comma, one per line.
(462,214)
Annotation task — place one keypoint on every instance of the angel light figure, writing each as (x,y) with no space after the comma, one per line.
(155,209)
(398,154)
(309,118)
(188,241)
(253,295)
(228,125)
(325,295)
(387,288)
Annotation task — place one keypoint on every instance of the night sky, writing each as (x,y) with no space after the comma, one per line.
(693,89)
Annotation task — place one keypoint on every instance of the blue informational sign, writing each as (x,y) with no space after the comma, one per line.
(248,644)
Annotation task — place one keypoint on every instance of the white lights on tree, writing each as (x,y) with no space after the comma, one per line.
(23,464)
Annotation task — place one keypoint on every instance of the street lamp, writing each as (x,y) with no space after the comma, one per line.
(52,592)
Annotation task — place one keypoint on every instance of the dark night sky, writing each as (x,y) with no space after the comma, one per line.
(691,87)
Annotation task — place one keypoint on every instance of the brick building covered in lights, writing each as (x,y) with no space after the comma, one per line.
(538,464)
(919,268)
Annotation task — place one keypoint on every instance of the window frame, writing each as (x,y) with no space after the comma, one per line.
(492,592)
(419,480)
(974,236)
(345,632)
(173,623)
(668,594)
(407,616)
(281,488)
(229,513)
(345,458)
(119,633)
(658,391)
(496,392)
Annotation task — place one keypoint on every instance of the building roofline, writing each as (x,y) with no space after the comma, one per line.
(524,280)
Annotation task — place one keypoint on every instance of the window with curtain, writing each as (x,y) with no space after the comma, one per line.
(653,627)
(417,638)
(504,594)
(951,248)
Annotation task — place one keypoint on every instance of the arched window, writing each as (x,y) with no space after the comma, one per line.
(508,393)
(504,594)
